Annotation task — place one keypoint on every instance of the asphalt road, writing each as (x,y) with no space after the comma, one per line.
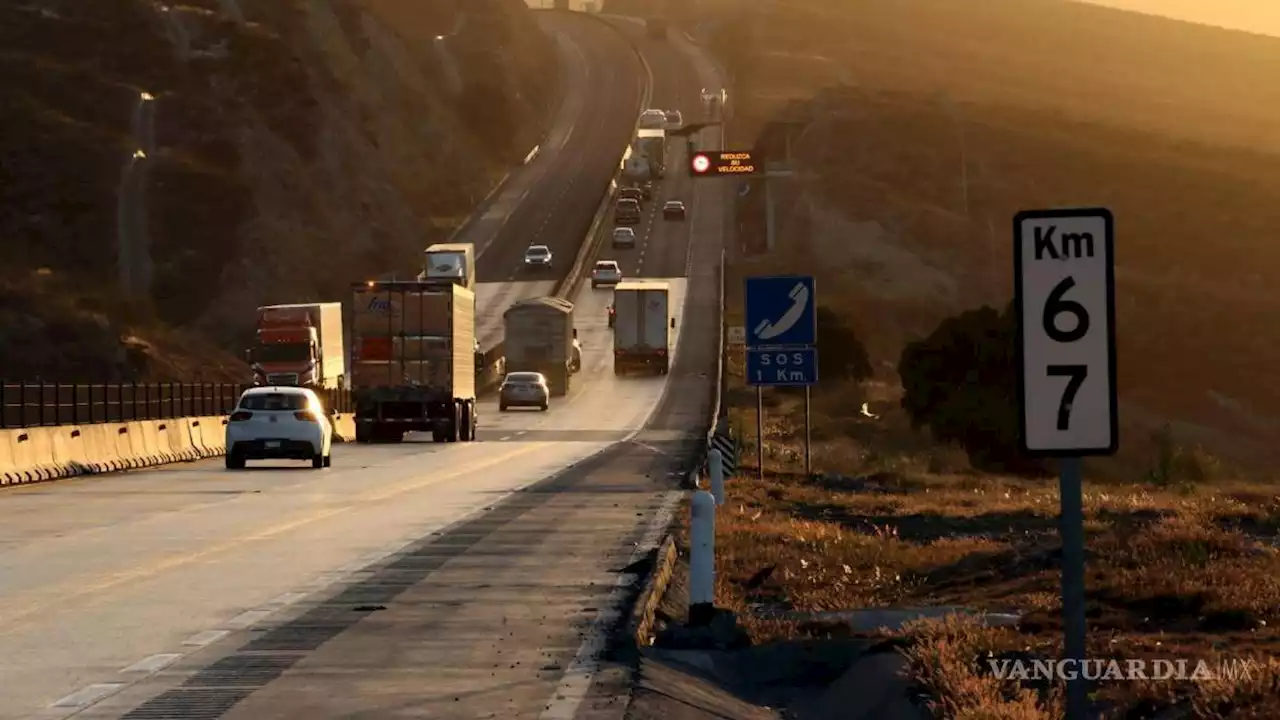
(469,580)
(552,200)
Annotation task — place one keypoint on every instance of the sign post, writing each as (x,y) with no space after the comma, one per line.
(782,337)
(1064,286)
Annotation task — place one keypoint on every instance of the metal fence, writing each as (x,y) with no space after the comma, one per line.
(39,404)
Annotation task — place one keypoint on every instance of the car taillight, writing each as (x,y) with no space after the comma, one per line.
(662,352)
(240,416)
(305,416)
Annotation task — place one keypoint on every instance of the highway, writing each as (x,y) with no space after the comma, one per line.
(467,580)
(551,200)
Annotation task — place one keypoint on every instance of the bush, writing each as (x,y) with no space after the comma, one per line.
(961,383)
(841,355)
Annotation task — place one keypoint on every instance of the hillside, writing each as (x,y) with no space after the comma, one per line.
(290,148)
(916,143)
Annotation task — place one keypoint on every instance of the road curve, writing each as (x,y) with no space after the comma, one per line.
(552,200)
(426,580)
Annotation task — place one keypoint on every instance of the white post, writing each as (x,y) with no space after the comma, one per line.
(702,557)
(715,467)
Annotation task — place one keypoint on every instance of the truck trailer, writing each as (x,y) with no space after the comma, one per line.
(643,326)
(413,358)
(539,337)
(299,344)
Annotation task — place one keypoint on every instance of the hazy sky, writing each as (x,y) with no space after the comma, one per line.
(1259,16)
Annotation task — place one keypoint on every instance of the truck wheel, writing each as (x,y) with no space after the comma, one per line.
(437,436)
(235,461)
(362,433)
(451,435)
(467,425)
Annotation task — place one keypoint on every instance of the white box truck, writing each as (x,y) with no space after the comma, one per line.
(643,326)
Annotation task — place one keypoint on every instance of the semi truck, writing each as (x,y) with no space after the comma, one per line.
(455,262)
(643,326)
(299,344)
(539,336)
(413,360)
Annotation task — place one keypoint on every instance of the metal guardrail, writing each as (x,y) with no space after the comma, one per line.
(44,404)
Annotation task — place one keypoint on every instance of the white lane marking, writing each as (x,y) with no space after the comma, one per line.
(88,695)
(501,439)
(577,679)
(523,432)
(153,664)
(287,598)
(205,637)
(248,619)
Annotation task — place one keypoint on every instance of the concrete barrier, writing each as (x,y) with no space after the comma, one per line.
(38,454)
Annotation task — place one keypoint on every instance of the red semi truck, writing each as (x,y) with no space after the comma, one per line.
(300,344)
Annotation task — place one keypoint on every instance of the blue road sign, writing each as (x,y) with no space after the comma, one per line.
(781,310)
(782,367)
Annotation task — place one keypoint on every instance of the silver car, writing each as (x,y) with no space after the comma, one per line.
(524,389)
(624,237)
(537,257)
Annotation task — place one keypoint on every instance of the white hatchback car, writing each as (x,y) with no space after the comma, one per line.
(279,423)
(606,272)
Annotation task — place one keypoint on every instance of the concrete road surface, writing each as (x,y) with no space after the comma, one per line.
(551,201)
(414,580)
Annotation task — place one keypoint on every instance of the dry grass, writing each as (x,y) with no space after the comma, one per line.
(1184,570)
(908,176)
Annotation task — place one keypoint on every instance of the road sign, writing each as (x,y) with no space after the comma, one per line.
(781,310)
(1064,265)
(782,367)
(737,335)
(720,163)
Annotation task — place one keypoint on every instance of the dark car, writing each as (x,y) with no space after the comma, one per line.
(646,189)
(631,193)
(673,210)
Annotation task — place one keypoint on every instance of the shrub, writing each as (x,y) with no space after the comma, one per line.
(961,383)
(841,355)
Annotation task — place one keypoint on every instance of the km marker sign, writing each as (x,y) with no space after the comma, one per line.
(1064,285)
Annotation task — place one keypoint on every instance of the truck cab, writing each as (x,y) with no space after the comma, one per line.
(450,261)
(299,344)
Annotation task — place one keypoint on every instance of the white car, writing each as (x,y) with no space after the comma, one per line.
(537,257)
(606,272)
(624,237)
(675,120)
(653,119)
(279,423)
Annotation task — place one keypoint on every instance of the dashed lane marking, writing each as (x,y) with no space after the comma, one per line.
(88,695)
(153,664)
(206,637)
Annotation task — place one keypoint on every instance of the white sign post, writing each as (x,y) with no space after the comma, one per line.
(737,335)
(1064,287)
